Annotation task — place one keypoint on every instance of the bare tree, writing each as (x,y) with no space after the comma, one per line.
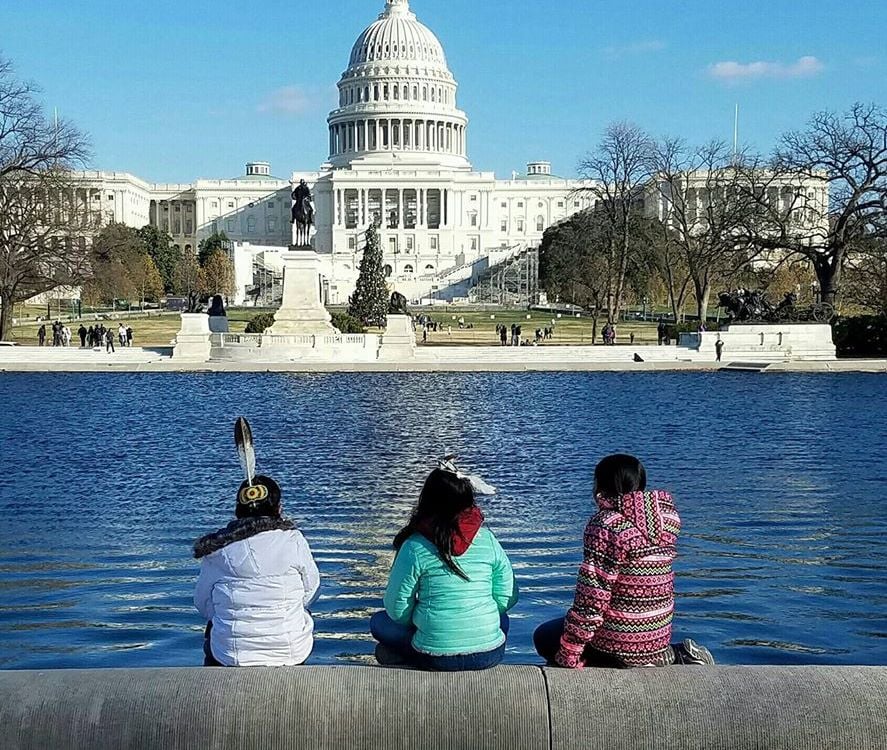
(707,200)
(41,223)
(833,192)
(618,169)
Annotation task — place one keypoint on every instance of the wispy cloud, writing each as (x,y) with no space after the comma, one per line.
(735,72)
(634,48)
(289,101)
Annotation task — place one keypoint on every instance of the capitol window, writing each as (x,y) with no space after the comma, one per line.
(430,267)
(503,204)
(352,243)
(473,220)
(520,204)
(520,225)
(560,204)
(230,204)
(407,269)
(387,271)
(251,225)
(540,224)
(415,92)
(432,242)
(503,226)
(270,204)
(474,243)
(474,197)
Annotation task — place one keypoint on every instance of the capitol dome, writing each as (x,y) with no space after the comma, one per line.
(397,35)
(397,99)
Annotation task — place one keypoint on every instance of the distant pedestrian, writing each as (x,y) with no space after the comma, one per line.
(503,335)
(631,337)
(129,335)
(660,332)
(424,334)
(109,340)
(514,334)
(41,335)
(82,333)
(121,334)
(517,333)
(719,348)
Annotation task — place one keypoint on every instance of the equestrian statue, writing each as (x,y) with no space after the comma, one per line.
(303,214)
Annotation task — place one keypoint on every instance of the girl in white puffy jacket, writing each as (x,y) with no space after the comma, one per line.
(257,580)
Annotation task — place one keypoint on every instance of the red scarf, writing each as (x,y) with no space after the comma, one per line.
(468,523)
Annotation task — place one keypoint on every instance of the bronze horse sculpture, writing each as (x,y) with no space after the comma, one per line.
(397,305)
(302,214)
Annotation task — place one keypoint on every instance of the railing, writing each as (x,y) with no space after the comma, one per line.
(308,341)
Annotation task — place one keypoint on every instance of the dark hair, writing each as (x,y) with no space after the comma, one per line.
(444,496)
(270,506)
(618,475)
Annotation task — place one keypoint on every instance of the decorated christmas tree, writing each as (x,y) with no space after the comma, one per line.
(369,303)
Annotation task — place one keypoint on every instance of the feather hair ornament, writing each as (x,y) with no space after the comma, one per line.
(243,439)
(480,487)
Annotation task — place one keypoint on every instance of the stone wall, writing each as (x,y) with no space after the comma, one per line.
(511,707)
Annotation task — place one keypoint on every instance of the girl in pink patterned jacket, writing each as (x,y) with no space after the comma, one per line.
(622,612)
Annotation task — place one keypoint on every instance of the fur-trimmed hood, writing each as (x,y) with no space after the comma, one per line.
(238,530)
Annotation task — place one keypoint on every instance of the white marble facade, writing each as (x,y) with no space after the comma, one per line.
(398,155)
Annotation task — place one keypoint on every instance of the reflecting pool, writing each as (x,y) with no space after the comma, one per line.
(106,480)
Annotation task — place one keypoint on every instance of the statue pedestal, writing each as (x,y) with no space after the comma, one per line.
(399,339)
(218,324)
(765,342)
(193,339)
(301,310)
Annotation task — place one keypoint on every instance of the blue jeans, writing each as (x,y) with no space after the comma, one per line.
(399,639)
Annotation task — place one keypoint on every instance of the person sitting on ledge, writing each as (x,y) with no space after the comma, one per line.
(257,580)
(450,585)
(622,612)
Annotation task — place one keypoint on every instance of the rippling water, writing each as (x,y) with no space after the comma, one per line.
(106,480)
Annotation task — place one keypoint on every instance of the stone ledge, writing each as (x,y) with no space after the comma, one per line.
(509,707)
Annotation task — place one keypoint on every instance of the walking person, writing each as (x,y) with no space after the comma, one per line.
(719,349)
(129,335)
(660,331)
(451,583)
(121,334)
(624,602)
(503,335)
(82,333)
(109,340)
(41,335)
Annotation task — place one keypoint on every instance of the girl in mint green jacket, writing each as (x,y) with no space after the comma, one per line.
(450,586)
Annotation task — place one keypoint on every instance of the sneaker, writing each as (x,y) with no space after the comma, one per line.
(690,652)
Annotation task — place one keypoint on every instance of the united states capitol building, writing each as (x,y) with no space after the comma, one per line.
(398,155)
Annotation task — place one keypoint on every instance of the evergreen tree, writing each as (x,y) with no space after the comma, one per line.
(163,252)
(208,245)
(369,303)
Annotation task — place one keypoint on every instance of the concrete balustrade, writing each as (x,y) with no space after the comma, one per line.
(510,707)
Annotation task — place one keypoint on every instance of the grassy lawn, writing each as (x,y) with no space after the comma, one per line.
(154,329)
(567,330)
(158,329)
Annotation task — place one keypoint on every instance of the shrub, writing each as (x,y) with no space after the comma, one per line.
(258,323)
(861,336)
(347,323)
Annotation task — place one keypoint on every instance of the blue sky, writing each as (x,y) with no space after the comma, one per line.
(174,91)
